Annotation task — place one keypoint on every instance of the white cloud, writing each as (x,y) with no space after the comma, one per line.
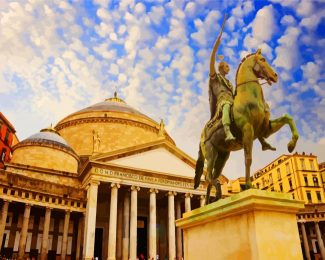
(287,52)
(204,28)
(312,22)
(264,24)
(288,20)
(305,8)
(311,72)
(289,3)
(156,14)
(190,9)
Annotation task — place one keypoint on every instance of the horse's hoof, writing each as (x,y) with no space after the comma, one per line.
(248,186)
(291,146)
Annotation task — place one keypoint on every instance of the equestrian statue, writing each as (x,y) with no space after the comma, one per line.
(237,119)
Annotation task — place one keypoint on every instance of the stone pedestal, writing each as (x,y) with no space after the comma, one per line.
(253,224)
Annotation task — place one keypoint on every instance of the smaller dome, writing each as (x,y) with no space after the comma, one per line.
(46,149)
(48,136)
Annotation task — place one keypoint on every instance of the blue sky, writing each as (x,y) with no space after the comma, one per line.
(58,57)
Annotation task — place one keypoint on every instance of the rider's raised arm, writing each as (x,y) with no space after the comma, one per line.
(213,57)
(215,49)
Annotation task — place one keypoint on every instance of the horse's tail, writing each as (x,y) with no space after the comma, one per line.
(199,168)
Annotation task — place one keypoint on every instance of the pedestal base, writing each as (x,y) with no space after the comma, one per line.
(253,224)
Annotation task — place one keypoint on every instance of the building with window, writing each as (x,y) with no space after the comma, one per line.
(8,138)
(107,181)
(300,176)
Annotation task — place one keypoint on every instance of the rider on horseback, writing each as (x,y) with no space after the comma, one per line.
(221,98)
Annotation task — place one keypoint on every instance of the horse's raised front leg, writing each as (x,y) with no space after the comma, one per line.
(248,135)
(211,156)
(286,119)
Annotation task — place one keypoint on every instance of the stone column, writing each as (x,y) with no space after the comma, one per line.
(119,235)
(152,225)
(45,237)
(81,224)
(133,222)
(65,235)
(23,233)
(113,222)
(171,226)
(4,213)
(90,220)
(320,240)
(126,227)
(305,240)
(179,246)
(188,197)
(202,200)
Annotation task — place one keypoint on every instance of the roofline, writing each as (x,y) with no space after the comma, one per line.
(288,156)
(13,130)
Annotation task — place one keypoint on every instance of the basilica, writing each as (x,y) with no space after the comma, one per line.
(105,182)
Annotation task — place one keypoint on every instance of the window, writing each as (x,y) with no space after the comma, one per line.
(281,188)
(6,137)
(279,174)
(288,168)
(319,198)
(272,188)
(290,184)
(302,162)
(306,180)
(315,180)
(293,195)
(308,196)
(270,178)
(311,163)
(258,185)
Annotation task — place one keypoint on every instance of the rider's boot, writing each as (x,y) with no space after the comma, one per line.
(266,145)
(229,136)
(226,123)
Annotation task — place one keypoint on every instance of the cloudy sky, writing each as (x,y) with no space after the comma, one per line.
(58,57)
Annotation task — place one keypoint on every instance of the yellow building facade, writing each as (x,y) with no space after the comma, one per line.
(301,176)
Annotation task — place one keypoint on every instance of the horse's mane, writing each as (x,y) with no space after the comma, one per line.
(242,61)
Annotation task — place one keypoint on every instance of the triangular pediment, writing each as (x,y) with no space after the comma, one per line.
(157,157)
(157,160)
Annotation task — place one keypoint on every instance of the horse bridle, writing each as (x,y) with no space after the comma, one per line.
(260,72)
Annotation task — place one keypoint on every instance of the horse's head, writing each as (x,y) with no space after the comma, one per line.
(263,69)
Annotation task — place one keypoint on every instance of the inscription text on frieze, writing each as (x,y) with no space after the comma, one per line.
(142,178)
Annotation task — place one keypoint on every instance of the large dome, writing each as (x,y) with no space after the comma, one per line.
(107,126)
(46,149)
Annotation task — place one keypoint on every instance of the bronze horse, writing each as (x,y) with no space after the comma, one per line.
(250,121)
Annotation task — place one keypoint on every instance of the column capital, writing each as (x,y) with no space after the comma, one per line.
(172,193)
(188,195)
(28,205)
(115,185)
(153,190)
(133,187)
(202,197)
(92,183)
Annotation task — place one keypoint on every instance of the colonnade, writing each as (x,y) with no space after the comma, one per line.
(319,240)
(130,215)
(87,225)
(24,231)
